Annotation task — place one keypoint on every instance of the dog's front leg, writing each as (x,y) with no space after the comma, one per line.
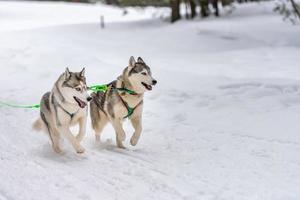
(120,133)
(137,125)
(68,134)
(82,129)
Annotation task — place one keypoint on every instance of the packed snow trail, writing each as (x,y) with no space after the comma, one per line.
(222,122)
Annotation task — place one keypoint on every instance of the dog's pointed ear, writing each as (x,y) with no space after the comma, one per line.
(131,61)
(67,73)
(140,60)
(82,73)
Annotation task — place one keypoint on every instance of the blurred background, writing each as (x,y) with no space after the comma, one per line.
(221,124)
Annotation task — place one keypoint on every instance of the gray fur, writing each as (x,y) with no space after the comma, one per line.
(46,99)
(60,96)
(58,105)
(95,114)
(47,124)
(53,101)
(74,80)
(62,108)
(110,109)
(99,99)
(113,105)
(138,67)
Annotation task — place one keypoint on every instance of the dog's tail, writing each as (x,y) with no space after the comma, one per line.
(38,125)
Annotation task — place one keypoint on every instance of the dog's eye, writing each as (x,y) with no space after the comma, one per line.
(78,89)
(144,73)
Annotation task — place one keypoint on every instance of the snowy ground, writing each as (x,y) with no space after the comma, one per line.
(222,123)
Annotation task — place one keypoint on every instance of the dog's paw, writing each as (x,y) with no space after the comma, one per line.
(80,150)
(121,146)
(57,150)
(134,141)
(135,138)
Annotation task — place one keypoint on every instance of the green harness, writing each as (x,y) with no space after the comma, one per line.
(20,106)
(104,88)
(93,88)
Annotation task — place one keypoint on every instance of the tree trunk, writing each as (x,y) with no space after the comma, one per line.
(187,6)
(204,8)
(175,6)
(216,8)
(295,8)
(109,2)
(193,8)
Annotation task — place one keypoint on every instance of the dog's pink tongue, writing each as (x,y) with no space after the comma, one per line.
(81,104)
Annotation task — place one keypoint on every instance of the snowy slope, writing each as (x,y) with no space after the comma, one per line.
(222,123)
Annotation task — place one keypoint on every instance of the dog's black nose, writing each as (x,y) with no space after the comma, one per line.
(89,98)
(154,82)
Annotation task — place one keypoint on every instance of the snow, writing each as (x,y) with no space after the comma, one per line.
(222,122)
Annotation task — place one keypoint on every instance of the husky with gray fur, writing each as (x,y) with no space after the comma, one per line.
(63,107)
(112,105)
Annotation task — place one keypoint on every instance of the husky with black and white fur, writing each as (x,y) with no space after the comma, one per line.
(123,99)
(63,107)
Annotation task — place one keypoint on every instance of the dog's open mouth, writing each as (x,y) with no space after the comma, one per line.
(148,87)
(81,103)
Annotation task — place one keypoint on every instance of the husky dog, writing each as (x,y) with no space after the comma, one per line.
(124,98)
(63,107)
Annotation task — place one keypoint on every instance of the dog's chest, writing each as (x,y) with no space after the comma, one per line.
(126,107)
(132,101)
(71,117)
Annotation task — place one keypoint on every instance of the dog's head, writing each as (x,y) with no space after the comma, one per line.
(74,88)
(139,75)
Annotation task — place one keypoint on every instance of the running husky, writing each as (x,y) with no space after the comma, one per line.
(65,106)
(124,98)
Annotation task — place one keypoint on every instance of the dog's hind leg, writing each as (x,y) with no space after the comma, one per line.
(100,126)
(120,133)
(137,125)
(54,136)
(99,120)
(82,129)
